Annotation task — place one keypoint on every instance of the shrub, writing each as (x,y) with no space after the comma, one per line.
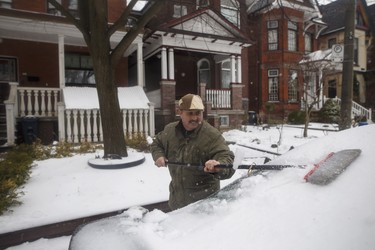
(330,112)
(14,171)
(138,141)
(296,117)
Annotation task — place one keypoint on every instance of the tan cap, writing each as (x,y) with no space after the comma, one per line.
(191,102)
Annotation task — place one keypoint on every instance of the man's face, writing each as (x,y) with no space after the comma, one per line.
(191,118)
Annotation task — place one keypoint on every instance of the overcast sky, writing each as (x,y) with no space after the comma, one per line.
(369,2)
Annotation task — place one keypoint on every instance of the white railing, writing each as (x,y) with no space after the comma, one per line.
(79,125)
(357,109)
(220,98)
(39,102)
(11,113)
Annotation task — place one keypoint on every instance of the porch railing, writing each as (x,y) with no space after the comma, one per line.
(357,109)
(38,102)
(74,125)
(79,125)
(220,98)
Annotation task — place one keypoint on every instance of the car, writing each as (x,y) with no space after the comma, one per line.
(273,209)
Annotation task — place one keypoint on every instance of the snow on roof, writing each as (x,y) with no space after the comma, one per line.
(87,98)
(319,55)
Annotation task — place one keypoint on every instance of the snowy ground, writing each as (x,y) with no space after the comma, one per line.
(63,189)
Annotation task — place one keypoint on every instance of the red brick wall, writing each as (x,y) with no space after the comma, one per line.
(34,59)
(34,5)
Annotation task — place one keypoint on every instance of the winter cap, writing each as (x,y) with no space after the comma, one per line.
(191,102)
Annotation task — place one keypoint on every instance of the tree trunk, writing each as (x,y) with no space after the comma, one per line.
(347,75)
(100,50)
(110,113)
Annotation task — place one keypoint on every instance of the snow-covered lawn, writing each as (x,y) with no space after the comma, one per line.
(63,189)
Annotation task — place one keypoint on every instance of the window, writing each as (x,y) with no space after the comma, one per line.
(273,85)
(332,93)
(224,121)
(292,86)
(204,72)
(356,51)
(8,69)
(179,10)
(230,9)
(272,35)
(71,4)
(331,42)
(7,4)
(202,3)
(292,36)
(78,70)
(359,21)
(308,43)
(225,74)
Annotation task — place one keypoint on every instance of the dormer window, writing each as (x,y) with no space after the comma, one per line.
(179,10)
(7,4)
(202,3)
(230,9)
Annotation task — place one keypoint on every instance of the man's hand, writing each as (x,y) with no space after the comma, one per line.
(160,162)
(209,166)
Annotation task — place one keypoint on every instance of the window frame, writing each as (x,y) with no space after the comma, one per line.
(273,85)
(6,4)
(272,35)
(9,73)
(79,66)
(230,9)
(292,86)
(179,10)
(292,36)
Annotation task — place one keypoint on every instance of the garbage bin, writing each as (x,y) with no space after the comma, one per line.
(253,120)
(29,129)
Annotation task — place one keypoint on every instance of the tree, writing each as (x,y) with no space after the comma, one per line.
(315,65)
(347,75)
(92,22)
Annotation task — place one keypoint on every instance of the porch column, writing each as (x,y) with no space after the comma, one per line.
(164,68)
(233,68)
(171,63)
(239,70)
(140,75)
(61,61)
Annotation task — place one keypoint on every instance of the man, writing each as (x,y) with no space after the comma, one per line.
(191,141)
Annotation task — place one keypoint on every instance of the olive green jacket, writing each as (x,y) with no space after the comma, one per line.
(189,184)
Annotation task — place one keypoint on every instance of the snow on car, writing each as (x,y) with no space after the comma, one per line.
(267,210)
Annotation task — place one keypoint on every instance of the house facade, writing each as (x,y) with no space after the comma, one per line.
(334,34)
(284,31)
(191,47)
(238,55)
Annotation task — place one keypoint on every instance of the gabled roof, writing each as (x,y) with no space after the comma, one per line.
(204,23)
(334,15)
(255,6)
(203,30)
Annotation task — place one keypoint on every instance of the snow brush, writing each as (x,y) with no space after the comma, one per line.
(332,166)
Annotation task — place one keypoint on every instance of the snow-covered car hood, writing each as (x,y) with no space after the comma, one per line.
(273,210)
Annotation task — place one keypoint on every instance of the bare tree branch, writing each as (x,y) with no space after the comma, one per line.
(135,30)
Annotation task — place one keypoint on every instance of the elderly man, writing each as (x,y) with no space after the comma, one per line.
(191,141)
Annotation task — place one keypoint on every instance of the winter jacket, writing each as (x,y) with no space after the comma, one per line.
(189,184)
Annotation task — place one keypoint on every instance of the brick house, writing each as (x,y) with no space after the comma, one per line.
(284,31)
(334,16)
(192,47)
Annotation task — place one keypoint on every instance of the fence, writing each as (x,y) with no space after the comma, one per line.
(220,98)
(74,125)
(78,125)
(39,102)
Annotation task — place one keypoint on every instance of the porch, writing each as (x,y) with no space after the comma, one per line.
(67,115)
(72,114)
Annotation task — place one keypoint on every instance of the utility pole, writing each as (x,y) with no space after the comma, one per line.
(347,71)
